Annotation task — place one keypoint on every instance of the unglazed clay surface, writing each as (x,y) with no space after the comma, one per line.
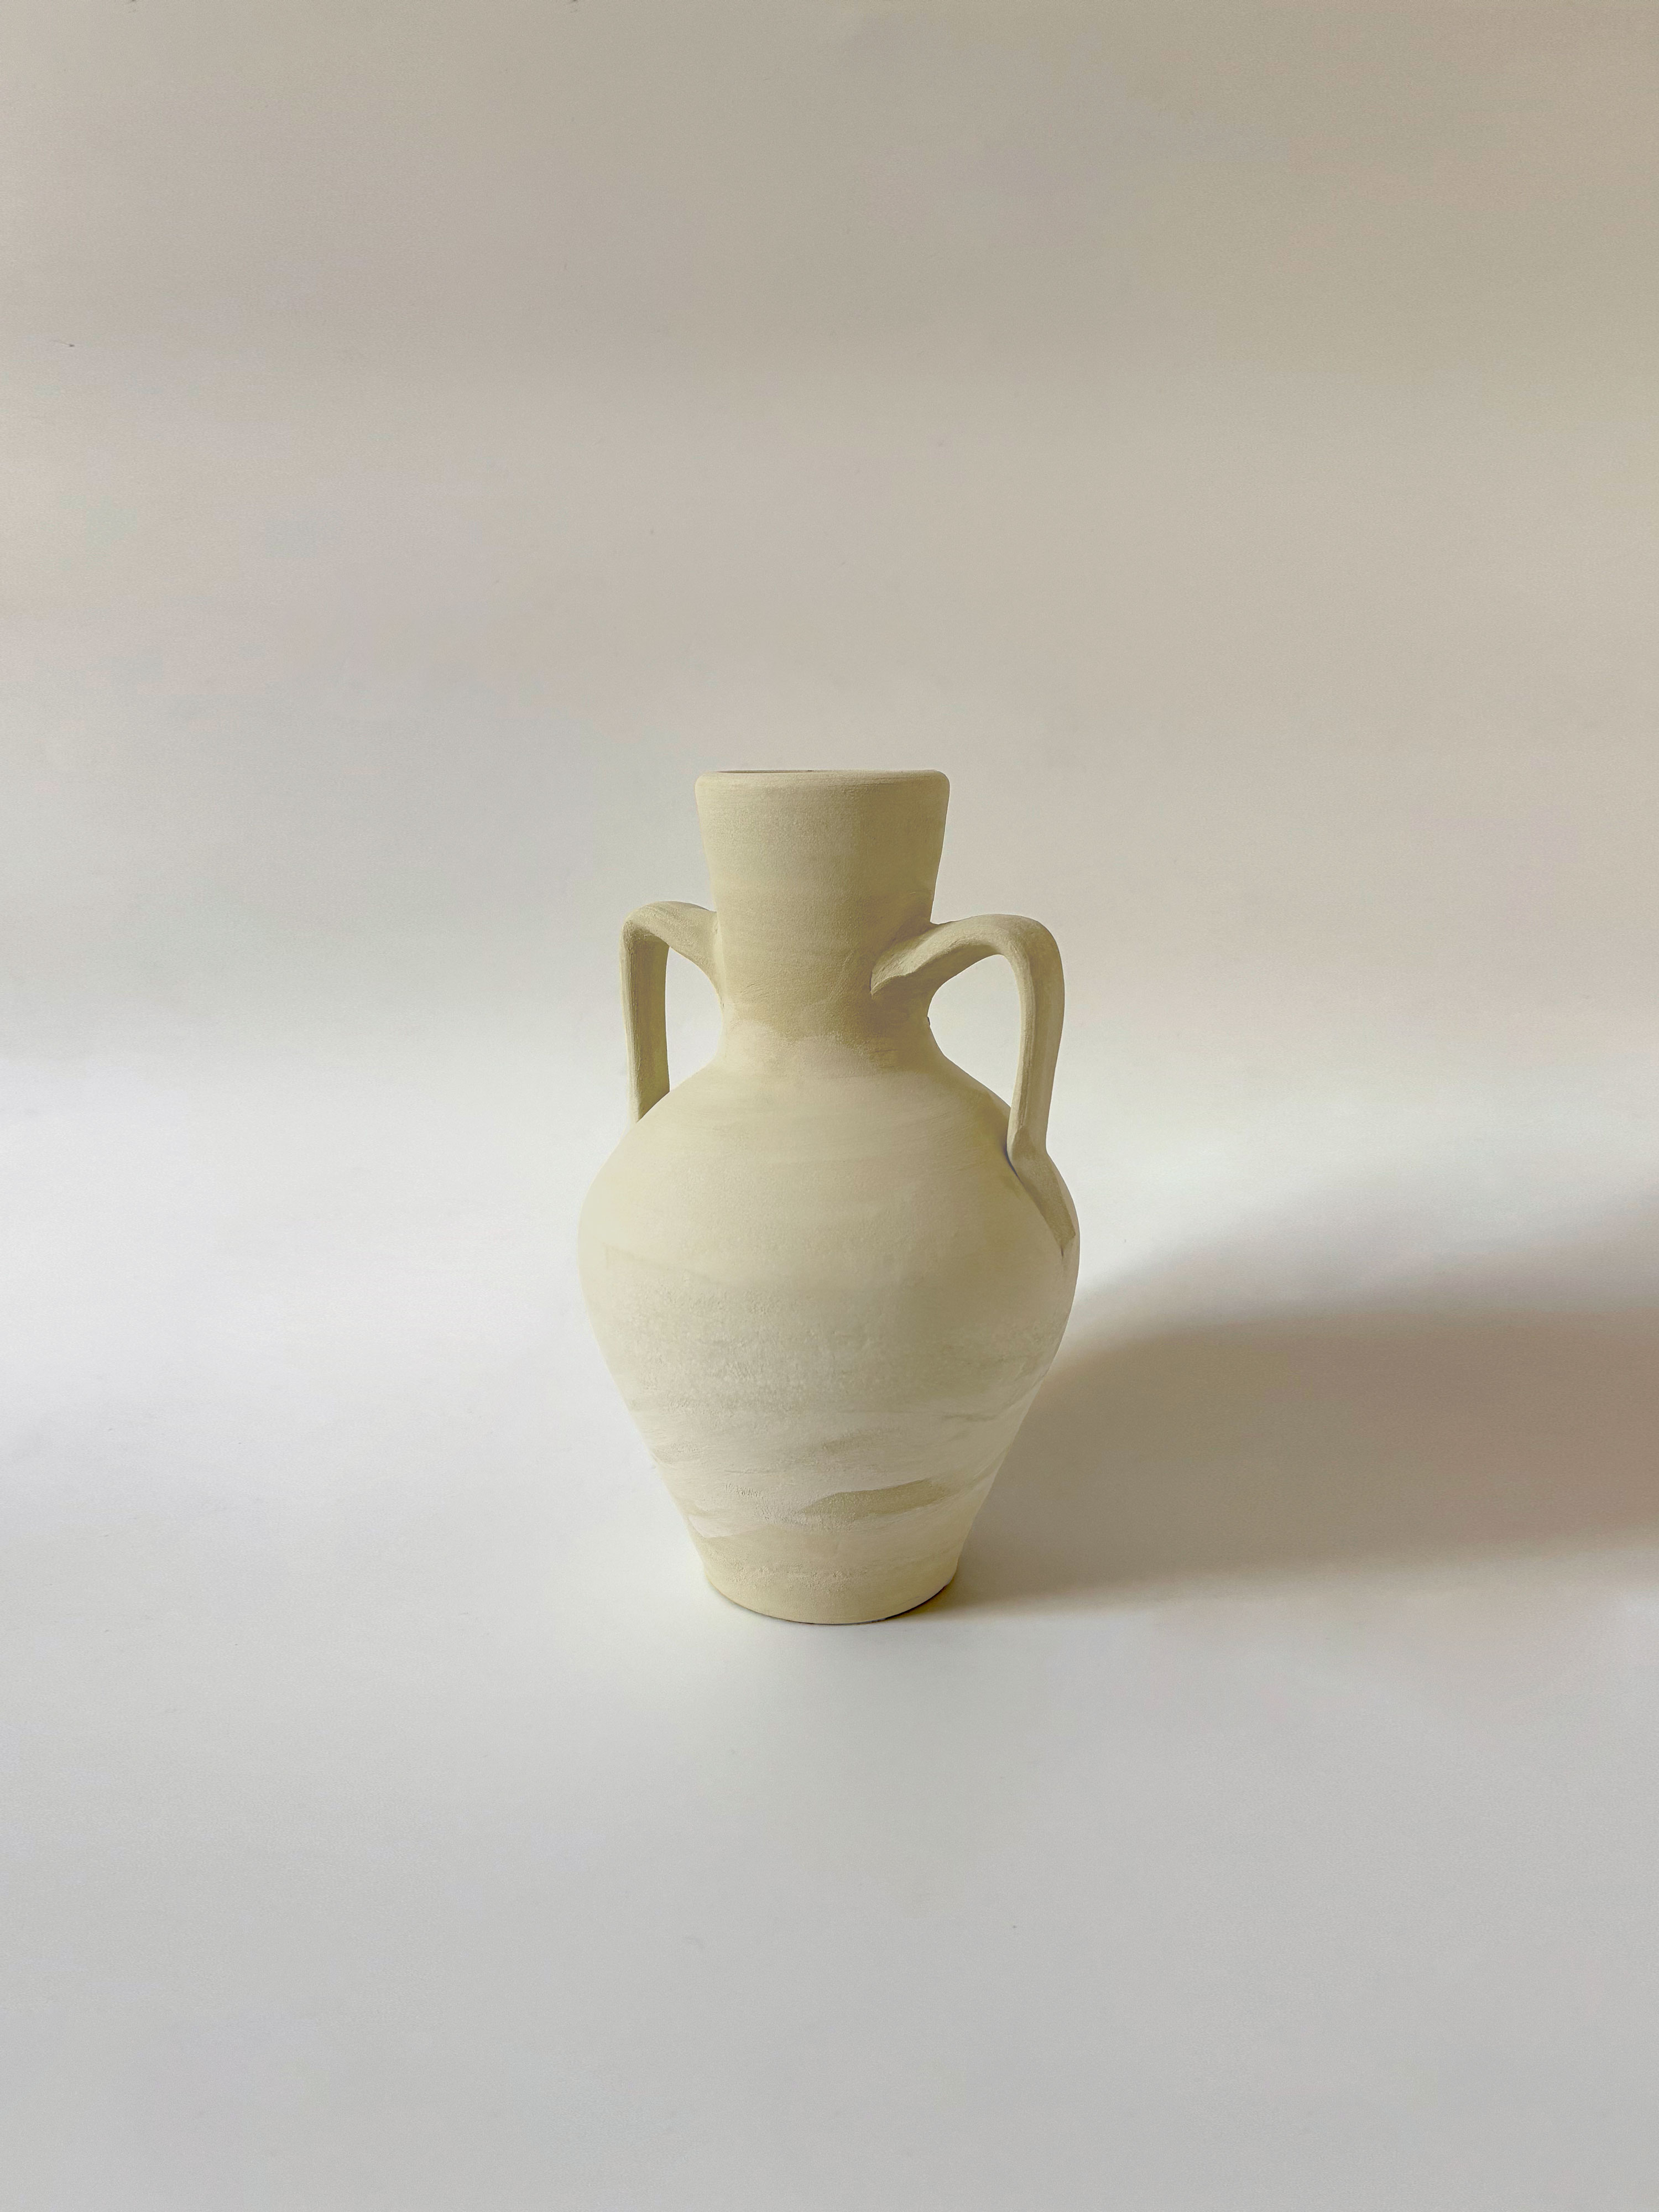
(830,1270)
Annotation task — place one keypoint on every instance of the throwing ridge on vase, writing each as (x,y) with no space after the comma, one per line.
(830,1270)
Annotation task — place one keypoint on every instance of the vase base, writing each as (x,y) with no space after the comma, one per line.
(832,1601)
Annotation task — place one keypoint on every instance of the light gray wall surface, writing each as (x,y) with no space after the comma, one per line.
(1223,438)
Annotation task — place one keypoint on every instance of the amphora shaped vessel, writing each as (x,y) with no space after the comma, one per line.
(830,1270)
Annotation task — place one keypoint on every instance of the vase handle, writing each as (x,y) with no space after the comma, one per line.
(648,936)
(920,964)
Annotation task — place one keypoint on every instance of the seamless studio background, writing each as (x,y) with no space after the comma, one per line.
(1222,437)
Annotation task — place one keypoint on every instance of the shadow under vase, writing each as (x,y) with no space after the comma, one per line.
(1299,1442)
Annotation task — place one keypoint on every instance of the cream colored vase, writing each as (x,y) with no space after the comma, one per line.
(830,1270)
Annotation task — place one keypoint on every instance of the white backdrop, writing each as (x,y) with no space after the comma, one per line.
(1223,438)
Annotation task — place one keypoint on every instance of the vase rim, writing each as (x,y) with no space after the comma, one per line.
(824,775)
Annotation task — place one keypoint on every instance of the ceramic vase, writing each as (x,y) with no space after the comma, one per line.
(830,1270)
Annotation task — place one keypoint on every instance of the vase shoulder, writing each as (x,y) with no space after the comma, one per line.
(877,1175)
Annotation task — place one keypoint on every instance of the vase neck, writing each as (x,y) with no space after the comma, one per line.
(815,875)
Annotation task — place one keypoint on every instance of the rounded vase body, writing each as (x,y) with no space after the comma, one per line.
(826,1278)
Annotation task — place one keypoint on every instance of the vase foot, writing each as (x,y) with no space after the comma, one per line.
(829,1600)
